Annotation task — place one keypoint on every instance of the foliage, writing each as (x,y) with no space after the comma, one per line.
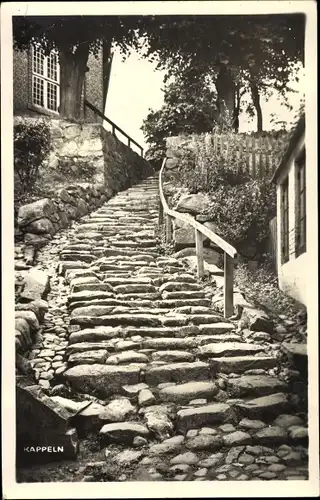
(32,143)
(260,287)
(69,33)
(242,212)
(189,107)
(237,53)
(74,38)
(240,205)
(81,171)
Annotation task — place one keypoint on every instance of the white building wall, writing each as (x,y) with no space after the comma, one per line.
(292,275)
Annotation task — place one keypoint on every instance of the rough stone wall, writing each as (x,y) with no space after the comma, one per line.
(116,167)
(20,74)
(40,220)
(77,144)
(123,167)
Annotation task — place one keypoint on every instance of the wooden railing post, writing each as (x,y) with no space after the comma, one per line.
(199,253)
(168,228)
(160,220)
(129,142)
(228,285)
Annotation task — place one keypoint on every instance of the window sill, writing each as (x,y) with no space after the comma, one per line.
(43,111)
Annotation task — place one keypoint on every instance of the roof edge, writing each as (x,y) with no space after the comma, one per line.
(296,136)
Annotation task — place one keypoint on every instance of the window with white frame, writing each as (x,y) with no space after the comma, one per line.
(45,79)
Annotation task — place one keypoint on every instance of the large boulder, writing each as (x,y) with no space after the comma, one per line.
(193,203)
(256,320)
(41,226)
(36,210)
(43,428)
(37,285)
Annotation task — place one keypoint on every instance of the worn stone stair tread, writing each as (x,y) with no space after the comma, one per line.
(239,364)
(169,342)
(184,393)
(172,356)
(177,372)
(94,334)
(107,379)
(204,415)
(98,356)
(274,404)
(259,385)
(118,319)
(88,346)
(228,349)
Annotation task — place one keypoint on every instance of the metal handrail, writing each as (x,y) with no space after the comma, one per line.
(230,253)
(114,126)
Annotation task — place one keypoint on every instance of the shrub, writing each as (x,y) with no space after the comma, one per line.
(207,169)
(32,143)
(241,206)
(242,213)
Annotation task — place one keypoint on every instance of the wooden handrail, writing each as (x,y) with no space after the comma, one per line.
(114,126)
(230,253)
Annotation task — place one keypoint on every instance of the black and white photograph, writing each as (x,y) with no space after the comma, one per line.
(160,249)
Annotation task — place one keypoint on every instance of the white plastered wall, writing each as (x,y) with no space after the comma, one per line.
(293,274)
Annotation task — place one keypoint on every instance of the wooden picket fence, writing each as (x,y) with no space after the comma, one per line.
(261,155)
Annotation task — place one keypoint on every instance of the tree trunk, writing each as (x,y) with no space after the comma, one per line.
(72,73)
(226,97)
(256,102)
(107,63)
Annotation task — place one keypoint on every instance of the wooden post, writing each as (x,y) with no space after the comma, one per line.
(228,285)
(113,130)
(160,220)
(199,253)
(129,142)
(168,229)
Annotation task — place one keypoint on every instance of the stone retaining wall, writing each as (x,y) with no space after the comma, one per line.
(76,146)
(40,220)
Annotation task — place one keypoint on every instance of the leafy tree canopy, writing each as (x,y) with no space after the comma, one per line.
(189,108)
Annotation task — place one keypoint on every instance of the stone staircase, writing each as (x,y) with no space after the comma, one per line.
(167,375)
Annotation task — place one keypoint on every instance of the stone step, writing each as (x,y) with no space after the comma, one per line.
(177,372)
(128,289)
(83,346)
(170,356)
(183,295)
(103,379)
(184,393)
(173,304)
(216,350)
(216,413)
(117,320)
(109,303)
(239,364)
(95,334)
(255,385)
(169,343)
(268,406)
(159,332)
